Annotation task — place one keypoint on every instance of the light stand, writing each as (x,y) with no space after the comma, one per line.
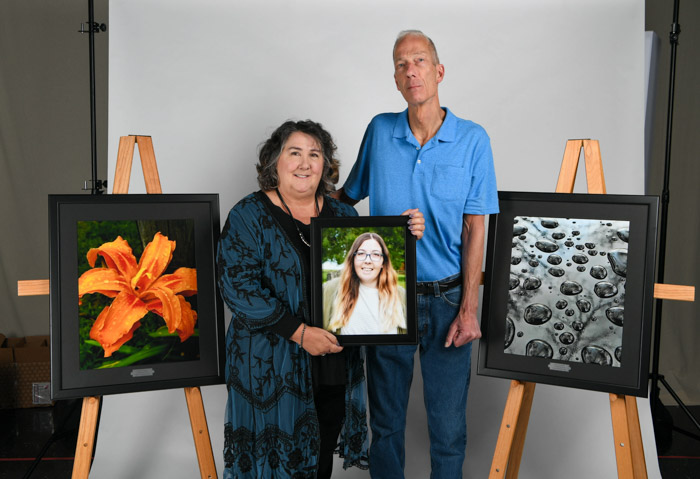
(96,188)
(663,423)
(92,28)
(97,185)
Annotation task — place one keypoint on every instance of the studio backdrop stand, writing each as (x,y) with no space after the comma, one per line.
(629,451)
(91,405)
(663,423)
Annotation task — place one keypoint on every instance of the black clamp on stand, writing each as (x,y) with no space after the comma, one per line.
(97,188)
(96,27)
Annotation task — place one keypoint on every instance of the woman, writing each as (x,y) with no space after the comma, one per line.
(366,298)
(291,387)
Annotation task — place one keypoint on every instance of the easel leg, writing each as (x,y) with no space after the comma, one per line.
(200,431)
(86,437)
(148,164)
(621,435)
(125,158)
(638,461)
(594,167)
(511,438)
(569,167)
(122,172)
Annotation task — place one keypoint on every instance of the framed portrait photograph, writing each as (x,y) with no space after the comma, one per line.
(364,279)
(568,290)
(134,301)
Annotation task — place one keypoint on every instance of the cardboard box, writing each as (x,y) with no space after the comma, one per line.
(34,352)
(38,341)
(25,371)
(6,354)
(15,342)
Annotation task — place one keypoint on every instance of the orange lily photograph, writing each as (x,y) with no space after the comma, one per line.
(137,293)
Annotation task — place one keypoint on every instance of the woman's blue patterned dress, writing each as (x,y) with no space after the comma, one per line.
(271,429)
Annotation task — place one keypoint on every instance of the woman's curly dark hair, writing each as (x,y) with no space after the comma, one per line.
(271,149)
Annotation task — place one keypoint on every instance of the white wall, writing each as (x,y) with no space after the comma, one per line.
(210,80)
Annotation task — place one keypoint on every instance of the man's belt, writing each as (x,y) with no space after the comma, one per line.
(429,287)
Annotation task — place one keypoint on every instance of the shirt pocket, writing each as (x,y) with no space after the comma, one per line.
(448,182)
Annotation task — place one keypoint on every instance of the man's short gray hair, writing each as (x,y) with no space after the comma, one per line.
(416,33)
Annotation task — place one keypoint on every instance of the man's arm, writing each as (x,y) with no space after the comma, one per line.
(341,196)
(465,327)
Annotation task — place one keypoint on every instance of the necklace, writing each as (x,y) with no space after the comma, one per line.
(279,195)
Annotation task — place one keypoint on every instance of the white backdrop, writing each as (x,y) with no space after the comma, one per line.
(210,80)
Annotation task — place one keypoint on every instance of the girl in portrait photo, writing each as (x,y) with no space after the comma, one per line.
(366,298)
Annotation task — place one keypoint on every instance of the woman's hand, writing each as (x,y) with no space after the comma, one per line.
(416,222)
(317,341)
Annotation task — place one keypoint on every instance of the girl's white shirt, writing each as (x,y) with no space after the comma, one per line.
(365,316)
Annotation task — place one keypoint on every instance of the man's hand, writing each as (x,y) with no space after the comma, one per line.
(335,194)
(416,222)
(464,328)
(341,196)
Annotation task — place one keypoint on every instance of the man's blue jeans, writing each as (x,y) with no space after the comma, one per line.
(446,373)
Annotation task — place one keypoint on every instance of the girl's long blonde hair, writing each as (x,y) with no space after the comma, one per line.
(391,308)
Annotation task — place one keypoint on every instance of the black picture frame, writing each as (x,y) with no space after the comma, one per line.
(600,339)
(331,243)
(91,354)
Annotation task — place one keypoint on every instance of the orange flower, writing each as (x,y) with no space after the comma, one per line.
(138,289)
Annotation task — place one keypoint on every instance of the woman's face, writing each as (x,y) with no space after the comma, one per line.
(368,262)
(300,165)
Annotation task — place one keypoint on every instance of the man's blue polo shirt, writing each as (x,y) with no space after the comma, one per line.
(451,175)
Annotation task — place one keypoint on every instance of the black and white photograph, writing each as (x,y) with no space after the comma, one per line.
(568,290)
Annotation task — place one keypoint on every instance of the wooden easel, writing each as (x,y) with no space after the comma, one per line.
(193,395)
(91,405)
(198,421)
(629,451)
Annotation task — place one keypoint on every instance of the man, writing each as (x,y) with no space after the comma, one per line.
(427,158)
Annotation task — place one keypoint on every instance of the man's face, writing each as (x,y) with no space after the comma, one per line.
(415,72)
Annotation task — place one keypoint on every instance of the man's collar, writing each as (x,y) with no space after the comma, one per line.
(446,132)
